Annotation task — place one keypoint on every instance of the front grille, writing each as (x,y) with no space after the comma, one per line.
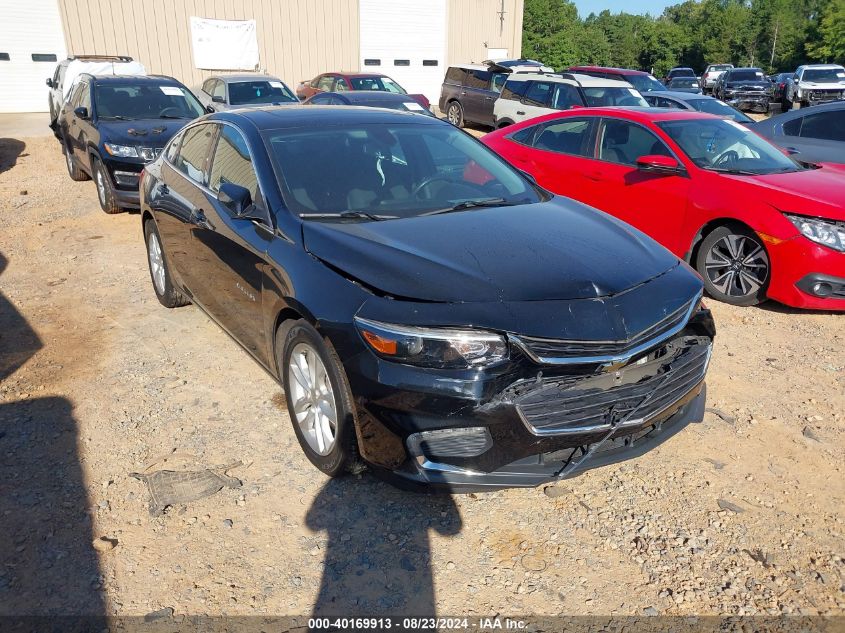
(631,395)
(825,95)
(546,349)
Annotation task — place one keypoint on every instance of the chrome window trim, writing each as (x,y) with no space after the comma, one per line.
(607,359)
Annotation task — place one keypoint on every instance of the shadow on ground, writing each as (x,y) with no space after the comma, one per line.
(48,564)
(378,555)
(10,149)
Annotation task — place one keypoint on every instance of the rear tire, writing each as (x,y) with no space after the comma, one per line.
(455,114)
(73,171)
(318,397)
(166,292)
(735,266)
(105,191)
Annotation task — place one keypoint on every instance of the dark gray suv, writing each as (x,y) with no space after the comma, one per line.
(470,90)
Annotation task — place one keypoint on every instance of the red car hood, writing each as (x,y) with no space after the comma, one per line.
(817,192)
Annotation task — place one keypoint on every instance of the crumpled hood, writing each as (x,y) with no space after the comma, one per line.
(559,249)
(747,85)
(813,192)
(141,133)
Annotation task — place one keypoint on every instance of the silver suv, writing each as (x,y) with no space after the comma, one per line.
(816,83)
(528,95)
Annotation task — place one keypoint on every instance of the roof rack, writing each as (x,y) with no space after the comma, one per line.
(118,58)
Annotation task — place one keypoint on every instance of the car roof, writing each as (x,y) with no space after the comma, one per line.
(471,66)
(299,116)
(364,96)
(640,115)
(242,77)
(789,115)
(584,80)
(822,66)
(746,68)
(618,71)
(137,79)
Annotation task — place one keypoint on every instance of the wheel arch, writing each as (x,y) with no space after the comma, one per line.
(692,254)
(504,123)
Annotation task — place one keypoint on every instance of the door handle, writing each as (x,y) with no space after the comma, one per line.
(520,112)
(198,218)
(488,98)
(595,175)
(792,151)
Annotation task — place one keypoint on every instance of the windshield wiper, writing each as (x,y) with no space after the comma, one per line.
(344,215)
(169,116)
(734,172)
(117,117)
(471,204)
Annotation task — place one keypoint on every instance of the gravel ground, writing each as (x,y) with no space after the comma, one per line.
(740,514)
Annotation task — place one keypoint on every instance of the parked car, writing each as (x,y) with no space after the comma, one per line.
(699,103)
(678,71)
(69,69)
(777,91)
(427,308)
(642,81)
(744,88)
(685,84)
(371,99)
(754,223)
(813,136)
(711,74)
(111,126)
(469,91)
(527,95)
(225,92)
(342,82)
(816,83)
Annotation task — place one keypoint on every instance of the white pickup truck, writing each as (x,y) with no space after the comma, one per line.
(816,83)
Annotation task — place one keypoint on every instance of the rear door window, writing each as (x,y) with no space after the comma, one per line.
(514,90)
(570,136)
(565,96)
(479,79)
(193,152)
(538,93)
(828,126)
(326,83)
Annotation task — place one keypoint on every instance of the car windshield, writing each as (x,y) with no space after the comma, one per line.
(145,101)
(721,145)
(382,84)
(719,108)
(386,170)
(645,83)
(264,91)
(682,72)
(615,96)
(684,82)
(746,75)
(824,75)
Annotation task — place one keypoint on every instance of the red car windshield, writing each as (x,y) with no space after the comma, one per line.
(382,84)
(726,146)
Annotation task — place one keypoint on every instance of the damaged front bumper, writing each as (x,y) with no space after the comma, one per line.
(532,420)
(749,101)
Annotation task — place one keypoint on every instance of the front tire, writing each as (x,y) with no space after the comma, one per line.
(166,292)
(734,265)
(455,114)
(105,191)
(318,397)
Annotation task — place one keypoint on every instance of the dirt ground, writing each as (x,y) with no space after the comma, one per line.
(741,514)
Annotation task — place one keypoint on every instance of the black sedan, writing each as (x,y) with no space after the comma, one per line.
(111,126)
(370,99)
(811,135)
(426,307)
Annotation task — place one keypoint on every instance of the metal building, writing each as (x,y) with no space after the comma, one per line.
(412,41)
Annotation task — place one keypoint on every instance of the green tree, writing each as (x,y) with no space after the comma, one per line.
(830,47)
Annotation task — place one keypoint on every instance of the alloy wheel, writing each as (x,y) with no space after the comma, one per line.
(313,398)
(156,263)
(453,114)
(737,265)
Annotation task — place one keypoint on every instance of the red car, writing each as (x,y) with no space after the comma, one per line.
(338,82)
(752,221)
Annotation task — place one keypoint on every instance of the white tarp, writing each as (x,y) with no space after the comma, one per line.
(79,66)
(224,44)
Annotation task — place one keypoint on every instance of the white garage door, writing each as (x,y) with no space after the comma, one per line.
(31,43)
(405,40)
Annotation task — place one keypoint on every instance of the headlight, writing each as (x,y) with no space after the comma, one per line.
(433,347)
(825,232)
(121,151)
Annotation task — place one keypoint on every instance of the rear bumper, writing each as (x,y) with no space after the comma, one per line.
(797,266)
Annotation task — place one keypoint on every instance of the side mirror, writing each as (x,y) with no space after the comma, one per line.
(81,112)
(234,197)
(49,82)
(658,163)
(218,99)
(210,109)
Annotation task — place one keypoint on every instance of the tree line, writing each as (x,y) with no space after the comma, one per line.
(776,35)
